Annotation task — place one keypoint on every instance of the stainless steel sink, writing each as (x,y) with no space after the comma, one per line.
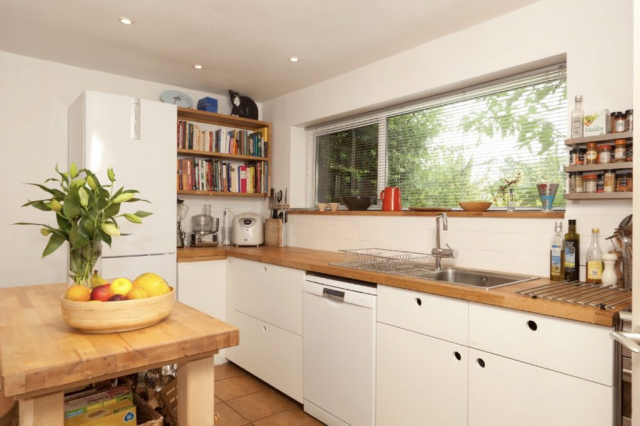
(480,279)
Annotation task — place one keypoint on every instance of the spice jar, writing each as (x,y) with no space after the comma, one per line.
(573,157)
(604,154)
(629,123)
(600,183)
(620,124)
(579,183)
(590,183)
(572,183)
(630,154)
(609,181)
(581,153)
(591,156)
(621,151)
(612,122)
(624,182)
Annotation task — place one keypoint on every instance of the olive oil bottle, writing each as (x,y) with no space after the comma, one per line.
(557,255)
(572,253)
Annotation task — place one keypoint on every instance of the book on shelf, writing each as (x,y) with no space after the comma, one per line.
(223,141)
(222,176)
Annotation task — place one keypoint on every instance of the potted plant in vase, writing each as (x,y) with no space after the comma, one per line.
(86,213)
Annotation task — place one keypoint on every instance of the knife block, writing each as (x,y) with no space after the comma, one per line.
(273,233)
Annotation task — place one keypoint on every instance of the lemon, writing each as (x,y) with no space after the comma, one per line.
(78,293)
(154,284)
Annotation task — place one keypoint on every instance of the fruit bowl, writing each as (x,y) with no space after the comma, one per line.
(475,206)
(115,317)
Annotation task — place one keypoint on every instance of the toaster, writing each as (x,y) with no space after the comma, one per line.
(248,230)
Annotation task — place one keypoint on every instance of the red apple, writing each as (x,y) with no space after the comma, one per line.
(117,297)
(102,293)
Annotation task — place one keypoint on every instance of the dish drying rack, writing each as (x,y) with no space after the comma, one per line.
(581,293)
(386,260)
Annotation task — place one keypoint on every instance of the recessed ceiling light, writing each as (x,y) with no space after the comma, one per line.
(126,21)
(294,59)
(198,67)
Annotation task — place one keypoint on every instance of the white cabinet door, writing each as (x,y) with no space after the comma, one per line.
(270,293)
(421,380)
(271,353)
(202,285)
(504,392)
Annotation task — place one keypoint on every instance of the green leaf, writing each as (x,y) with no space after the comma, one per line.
(80,243)
(86,227)
(29,223)
(112,210)
(78,183)
(40,205)
(142,214)
(71,207)
(74,235)
(63,223)
(64,176)
(55,192)
(54,242)
(104,237)
(133,200)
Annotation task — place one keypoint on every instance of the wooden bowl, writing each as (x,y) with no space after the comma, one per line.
(475,206)
(114,317)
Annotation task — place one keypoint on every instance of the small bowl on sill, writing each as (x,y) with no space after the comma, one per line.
(475,206)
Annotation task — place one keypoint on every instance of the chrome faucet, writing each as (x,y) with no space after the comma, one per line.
(440,252)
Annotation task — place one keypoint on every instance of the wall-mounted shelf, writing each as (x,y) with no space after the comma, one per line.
(599,167)
(221,119)
(196,153)
(600,138)
(221,194)
(599,196)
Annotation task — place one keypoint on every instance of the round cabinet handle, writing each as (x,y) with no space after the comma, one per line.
(532,325)
(418,301)
(457,355)
(481,362)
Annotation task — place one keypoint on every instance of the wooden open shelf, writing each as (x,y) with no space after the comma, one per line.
(221,194)
(195,153)
(599,167)
(600,138)
(221,119)
(599,196)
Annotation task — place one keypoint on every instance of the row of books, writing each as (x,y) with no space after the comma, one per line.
(239,142)
(217,175)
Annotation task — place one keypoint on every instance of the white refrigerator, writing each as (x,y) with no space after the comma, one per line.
(137,138)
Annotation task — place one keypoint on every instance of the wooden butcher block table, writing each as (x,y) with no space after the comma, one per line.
(40,356)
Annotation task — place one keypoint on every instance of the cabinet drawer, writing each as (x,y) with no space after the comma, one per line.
(570,347)
(419,378)
(271,353)
(504,392)
(269,292)
(436,316)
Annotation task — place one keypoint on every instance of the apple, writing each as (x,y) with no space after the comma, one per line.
(117,297)
(102,293)
(121,286)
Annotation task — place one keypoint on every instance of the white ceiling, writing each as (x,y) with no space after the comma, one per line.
(242,44)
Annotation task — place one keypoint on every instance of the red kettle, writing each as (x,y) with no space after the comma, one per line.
(391,199)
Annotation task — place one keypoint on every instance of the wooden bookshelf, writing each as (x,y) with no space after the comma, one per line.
(229,123)
(599,196)
(600,138)
(599,167)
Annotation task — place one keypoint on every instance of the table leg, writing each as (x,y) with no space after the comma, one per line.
(42,410)
(195,393)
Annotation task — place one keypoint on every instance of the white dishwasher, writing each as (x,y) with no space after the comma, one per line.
(339,334)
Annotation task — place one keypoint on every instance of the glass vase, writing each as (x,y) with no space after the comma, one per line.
(511,202)
(83,261)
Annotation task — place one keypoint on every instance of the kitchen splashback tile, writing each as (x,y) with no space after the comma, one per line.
(358,221)
(387,221)
(372,234)
(328,219)
(306,242)
(416,237)
(328,244)
(306,219)
(472,259)
(420,222)
(316,230)
(471,224)
(456,239)
(341,232)
(296,228)
(526,226)
(520,263)
(537,243)
(496,241)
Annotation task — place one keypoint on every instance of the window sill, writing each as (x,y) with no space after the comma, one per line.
(523,214)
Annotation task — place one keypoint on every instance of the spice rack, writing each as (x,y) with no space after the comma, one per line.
(607,139)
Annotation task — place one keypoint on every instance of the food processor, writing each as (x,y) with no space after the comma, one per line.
(204,229)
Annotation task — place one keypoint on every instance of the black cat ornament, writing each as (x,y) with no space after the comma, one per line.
(243,106)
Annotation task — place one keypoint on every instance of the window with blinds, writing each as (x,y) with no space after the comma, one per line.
(462,146)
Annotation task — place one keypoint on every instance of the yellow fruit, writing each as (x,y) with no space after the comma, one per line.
(96,279)
(138,293)
(121,286)
(153,283)
(78,293)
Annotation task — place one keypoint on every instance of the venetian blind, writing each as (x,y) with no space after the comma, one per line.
(460,146)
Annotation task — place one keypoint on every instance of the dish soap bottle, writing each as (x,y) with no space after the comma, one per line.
(557,254)
(577,119)
(594,259)
(572,253)
(609,276)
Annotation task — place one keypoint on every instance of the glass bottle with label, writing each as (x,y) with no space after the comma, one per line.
(557,254)
(577,119)
(594,259)
(571,253)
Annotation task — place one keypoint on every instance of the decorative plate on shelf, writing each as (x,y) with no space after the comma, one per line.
(177,98)
(430,209)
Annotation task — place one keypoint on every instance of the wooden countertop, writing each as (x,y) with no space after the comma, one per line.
(39,353)
(320,262)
